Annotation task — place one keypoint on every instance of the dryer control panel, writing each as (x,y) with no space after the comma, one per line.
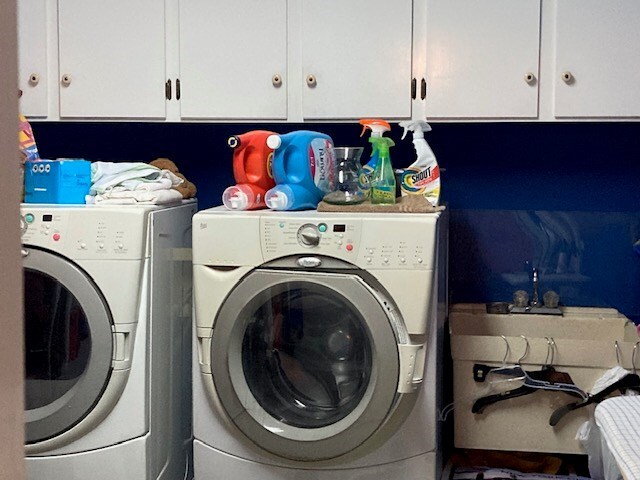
(84,233)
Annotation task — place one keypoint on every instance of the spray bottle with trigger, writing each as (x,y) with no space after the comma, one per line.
(377,127)
(422,177)
(383,181)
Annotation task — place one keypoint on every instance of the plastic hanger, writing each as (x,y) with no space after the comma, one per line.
(628,382)
(545,379)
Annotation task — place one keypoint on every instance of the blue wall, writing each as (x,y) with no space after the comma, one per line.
(564,197)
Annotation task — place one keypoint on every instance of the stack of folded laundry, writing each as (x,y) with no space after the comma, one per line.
(132,183)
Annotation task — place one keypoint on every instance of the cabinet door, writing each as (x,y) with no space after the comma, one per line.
(356,58)
(482,58)
(32,57)
(233,59)
(597,65)
(112,58)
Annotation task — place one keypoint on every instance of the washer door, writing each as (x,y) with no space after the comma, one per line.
(305,364)
(68,344)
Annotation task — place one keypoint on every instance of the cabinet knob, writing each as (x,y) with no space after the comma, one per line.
(34,79)
(530,78)
(66,80)
(276,80)
(311,81)
(567,77)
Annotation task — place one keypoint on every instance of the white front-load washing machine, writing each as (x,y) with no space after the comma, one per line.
(318,344)
(107,293)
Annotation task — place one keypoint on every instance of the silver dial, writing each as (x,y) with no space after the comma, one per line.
(308,235)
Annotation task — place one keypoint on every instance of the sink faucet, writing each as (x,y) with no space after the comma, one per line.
(535,299)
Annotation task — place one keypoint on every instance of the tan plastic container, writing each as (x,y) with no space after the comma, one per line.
(585,348)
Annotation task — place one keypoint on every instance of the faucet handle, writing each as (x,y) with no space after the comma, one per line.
(520,298)
(551,299)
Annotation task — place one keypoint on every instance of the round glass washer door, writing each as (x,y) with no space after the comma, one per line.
(305,364)
(68,344)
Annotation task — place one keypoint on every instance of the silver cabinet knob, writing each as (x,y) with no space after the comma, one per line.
(311,81)
(530,78)
(276,80)
(66,80)
(567,77)
(34,79)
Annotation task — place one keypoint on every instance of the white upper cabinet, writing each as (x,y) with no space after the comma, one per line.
(356,59)
(32,58)
(233,59)
(597,62)
(482,58)
(112,58)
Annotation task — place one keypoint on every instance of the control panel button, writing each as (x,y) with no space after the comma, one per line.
(101,246)
(339,242)
(120,246)
(56,237)
(419,260)
(349,247)
(322,227)
(385,260)
(29,218)
(403,260)
(368,259)
(370,251)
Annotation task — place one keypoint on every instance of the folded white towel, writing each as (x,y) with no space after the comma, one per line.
(165,180)
(105,175)
(122,196)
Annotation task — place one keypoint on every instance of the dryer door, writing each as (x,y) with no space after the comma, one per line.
(305,364)
(68,344)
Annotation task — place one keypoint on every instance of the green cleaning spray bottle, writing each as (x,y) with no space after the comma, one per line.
(383,181)
(377,127)
(422,177)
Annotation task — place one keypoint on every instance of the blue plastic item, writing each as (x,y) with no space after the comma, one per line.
(57,181)
(303,168)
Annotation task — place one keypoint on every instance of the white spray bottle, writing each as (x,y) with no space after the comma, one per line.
(422,177)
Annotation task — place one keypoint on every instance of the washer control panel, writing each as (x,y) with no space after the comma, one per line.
(378,243)
(287,236)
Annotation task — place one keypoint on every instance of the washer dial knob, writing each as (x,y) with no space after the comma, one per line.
(308,235)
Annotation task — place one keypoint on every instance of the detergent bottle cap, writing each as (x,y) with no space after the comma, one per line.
(274,141)
(277,198)
(234,141)
(418,127)
(382,144)
(376,125)
(238,197)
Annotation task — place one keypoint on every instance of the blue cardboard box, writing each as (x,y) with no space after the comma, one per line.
(57,181)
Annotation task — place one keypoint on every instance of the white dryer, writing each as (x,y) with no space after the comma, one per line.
(318,340)
(107,293)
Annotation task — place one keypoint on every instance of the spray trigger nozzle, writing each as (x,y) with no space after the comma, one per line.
(415,126)
(376,125)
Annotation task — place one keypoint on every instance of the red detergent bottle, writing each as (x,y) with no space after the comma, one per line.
(252,159)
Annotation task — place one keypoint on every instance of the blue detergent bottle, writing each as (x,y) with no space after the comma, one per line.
(303,168)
